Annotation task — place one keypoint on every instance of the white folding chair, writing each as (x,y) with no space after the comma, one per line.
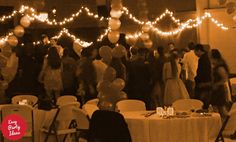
(90,109)
(25,99)
(229,125)
(62,122)
(187,105)
(25,112)
(93,101)
(82,123)
(232,84)
(130,105)
(66,99)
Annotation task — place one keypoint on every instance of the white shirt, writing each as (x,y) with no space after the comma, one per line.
(191,63)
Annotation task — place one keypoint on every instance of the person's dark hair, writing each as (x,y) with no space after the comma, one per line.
(86,52)
(54,60)
(199,47)
(66,52)
(174,68)
(191,45)
(215,54)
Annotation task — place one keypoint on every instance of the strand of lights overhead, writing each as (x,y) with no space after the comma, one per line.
(175,20)
(81,42)
(4,39)
(4,17)
(15,12)
(71,18)
(100,38)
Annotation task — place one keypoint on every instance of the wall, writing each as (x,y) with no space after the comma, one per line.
(217,38)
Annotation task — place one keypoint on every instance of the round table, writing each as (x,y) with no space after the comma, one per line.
(192,128)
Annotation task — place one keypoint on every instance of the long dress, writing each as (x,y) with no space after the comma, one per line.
(174,86)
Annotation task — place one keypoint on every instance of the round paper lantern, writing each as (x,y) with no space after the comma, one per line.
(25,21)
(115,13)
(144,36)
(77,48)
(114,24)
(221,2)
(113,36)
(148,44)
(109,74)
(118,84)
(119,51)
(12,40)
(146,28)
(19,31)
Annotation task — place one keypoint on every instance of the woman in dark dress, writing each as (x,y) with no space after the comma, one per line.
(220,93)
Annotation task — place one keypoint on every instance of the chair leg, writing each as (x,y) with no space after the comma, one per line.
(220,136)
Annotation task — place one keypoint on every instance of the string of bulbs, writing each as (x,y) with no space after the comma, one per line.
(191,23)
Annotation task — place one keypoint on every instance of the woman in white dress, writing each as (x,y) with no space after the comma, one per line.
(174,86)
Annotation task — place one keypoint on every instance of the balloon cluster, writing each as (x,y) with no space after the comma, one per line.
(19,31)
(230,7)
(114,22)
(145,36)
(110,88)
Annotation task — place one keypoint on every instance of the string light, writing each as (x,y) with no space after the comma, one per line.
(100,38)
(4,39)
(71,18)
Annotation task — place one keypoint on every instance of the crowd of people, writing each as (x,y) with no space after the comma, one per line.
(158,77)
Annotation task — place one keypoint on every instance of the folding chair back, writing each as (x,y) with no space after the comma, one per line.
(93,101)
(90,109)
(130,105)
(66,99)
(25,112)
(25,99)
(187,104)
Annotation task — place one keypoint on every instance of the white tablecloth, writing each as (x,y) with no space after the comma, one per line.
(156,129)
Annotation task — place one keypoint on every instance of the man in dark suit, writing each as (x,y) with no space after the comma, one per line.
(204,78)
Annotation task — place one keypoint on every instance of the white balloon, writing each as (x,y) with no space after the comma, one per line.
(19,31)
(25,21)
(116,13)
(113,36)
(12,40)
(114,24)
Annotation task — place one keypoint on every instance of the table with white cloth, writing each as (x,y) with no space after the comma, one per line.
(194,128)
